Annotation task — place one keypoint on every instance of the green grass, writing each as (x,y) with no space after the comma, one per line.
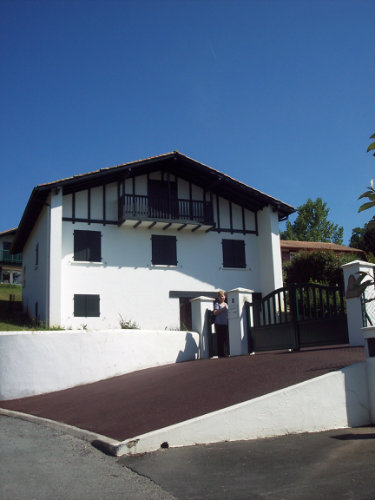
(11,316)
(7,290)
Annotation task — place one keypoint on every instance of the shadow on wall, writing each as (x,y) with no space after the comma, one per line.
(190,351)
(357,395)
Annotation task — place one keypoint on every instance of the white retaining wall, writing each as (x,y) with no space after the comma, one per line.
(40,362)
(332,401)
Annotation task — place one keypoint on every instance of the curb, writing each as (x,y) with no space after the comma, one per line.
(104,443)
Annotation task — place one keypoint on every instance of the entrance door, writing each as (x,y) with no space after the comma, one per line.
(185,313)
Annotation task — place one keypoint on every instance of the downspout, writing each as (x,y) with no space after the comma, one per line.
(48,284)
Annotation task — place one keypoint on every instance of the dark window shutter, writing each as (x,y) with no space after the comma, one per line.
(79,305)
(234,253)
(93,309)
(86,306)
(87,246)
(164,251)
(94,254)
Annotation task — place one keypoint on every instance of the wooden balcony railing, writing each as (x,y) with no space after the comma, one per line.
(139,207)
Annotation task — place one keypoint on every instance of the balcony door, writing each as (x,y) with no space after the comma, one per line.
(163,201)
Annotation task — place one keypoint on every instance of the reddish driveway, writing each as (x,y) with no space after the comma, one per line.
(138,402)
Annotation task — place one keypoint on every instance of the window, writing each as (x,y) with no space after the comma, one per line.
(87,246)
(234,253)
(164,250)
(86,306)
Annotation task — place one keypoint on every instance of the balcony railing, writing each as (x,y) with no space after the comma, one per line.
(8,258)
(137,207)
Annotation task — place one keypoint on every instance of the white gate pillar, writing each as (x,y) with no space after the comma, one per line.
(353,300)
(237,323)
(199,307)
(369,336)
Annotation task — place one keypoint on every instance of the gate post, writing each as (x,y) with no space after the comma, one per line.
(199,307)
(353,299)
(237,321)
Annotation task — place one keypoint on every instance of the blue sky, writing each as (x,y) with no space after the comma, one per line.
(278,94)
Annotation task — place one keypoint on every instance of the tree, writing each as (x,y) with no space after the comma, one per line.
(312,224)
(364,239)
(317,267)
(370,193)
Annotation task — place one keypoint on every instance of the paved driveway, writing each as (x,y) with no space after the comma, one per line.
(139,402)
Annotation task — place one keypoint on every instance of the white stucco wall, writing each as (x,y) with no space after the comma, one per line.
(35,277)
(128,283)
(39,362)
(271,276)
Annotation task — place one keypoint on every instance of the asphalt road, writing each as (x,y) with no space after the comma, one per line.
(38,463)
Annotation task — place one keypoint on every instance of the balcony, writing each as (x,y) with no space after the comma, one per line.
(10,259)
(165,213)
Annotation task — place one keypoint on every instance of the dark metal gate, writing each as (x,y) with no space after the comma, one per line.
(298,316)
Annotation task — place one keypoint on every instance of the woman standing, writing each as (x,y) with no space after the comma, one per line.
(221,325)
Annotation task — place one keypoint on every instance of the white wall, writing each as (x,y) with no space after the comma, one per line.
(128,283)
(35,279)
(269,251)
(39,362)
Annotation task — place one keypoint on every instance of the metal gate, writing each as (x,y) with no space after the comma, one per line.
(298,316)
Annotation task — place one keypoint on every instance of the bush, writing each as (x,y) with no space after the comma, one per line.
(318,267)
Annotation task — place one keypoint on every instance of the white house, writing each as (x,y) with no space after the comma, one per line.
(139,240)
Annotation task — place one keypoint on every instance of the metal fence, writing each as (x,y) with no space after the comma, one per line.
(368,306)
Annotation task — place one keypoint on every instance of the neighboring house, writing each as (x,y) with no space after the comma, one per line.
(289,248)
(141,239)
(10,264)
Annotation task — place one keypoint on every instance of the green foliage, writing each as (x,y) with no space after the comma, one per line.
(370,193)
(372,145)
(15,290)
(317,267)
(364,239)
(312,224)
(12,318)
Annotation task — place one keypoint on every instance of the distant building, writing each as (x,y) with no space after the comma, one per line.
(289,248)
(10,264)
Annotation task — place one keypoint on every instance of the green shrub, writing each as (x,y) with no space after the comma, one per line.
(317,267)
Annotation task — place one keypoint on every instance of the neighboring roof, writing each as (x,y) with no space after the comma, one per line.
(174,162)
(316,245)
(8,232)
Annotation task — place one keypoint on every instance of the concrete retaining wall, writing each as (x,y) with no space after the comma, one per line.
(335,400)
(39,362)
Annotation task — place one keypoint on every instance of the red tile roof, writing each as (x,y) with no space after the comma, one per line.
(293,245)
